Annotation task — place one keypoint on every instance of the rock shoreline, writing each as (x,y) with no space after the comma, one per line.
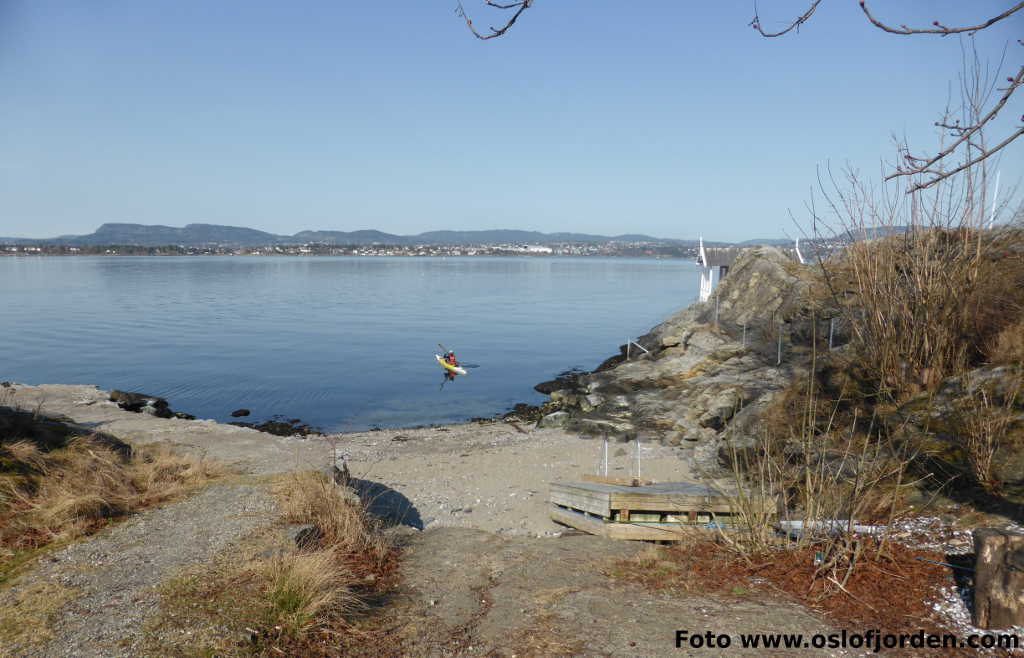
(695,379)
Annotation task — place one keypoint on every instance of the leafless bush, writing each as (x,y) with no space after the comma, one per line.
(826,480)
(986,424)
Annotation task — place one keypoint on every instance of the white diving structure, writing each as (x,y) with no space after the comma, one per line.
(713,265)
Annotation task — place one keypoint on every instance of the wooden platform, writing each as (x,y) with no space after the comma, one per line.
(660,512)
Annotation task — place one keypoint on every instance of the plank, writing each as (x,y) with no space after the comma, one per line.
(595,503)
(650,532)
(578,520)
(624,482)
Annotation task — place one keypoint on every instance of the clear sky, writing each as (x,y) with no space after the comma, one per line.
(662,117)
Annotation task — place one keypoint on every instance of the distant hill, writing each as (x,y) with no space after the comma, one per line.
(201,235)
(772,242)
(347,237)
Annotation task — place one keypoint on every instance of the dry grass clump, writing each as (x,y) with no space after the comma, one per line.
(283,593)
(341,566)
(339,516)
(307,589)
(1008,346)
(71,491)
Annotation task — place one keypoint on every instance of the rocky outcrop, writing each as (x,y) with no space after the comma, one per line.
(706,371)
(278,426)
(147,404)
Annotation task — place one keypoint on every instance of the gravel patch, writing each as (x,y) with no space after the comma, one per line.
(116,573)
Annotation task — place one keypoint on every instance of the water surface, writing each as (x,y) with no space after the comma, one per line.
(343,343)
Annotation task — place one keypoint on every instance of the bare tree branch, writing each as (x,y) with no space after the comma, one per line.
(964,134)
(520,7)
(938,175)
(800,20)
(938,28)
(931,166)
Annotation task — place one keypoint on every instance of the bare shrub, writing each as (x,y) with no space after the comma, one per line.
(1008,346)
(827,479)
(986,423)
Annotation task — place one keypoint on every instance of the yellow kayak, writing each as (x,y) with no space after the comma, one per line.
(447,366)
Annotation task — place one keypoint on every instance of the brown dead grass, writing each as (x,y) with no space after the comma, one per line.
(269,597)
(308,497)
(1008,346)
(931,304)
(890,590)
(70,492)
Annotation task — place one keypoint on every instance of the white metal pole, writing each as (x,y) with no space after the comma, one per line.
(606,455)
(638,458)
(992,214)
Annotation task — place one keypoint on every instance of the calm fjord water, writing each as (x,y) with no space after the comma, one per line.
(342,343)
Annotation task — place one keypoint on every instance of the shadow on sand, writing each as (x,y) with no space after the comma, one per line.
(386,504)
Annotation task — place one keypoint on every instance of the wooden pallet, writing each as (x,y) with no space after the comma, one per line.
(659,512)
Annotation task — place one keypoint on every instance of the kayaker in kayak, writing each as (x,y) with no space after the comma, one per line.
(450,359)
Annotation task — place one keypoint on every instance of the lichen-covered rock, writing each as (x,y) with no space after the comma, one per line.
(556,419)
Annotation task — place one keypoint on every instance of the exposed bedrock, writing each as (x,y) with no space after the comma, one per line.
(699,378)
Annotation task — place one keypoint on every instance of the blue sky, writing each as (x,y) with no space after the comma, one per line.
(662,117)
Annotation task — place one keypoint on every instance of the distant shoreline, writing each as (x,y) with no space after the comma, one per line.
(445,251)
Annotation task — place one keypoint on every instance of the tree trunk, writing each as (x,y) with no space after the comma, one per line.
(998,578)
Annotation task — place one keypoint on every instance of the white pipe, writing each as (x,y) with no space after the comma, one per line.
(992,215)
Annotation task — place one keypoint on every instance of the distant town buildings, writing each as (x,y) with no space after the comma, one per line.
(713,262)
(611,249)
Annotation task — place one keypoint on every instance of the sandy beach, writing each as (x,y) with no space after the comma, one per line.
(490,476)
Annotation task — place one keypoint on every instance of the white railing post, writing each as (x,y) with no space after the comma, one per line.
(779,361)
